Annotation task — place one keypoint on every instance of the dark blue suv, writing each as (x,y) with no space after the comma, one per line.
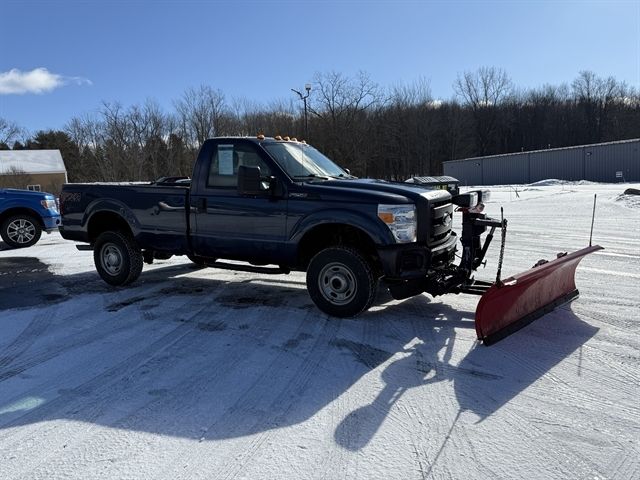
(25,214)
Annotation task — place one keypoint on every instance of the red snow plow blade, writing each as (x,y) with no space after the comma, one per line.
(509,305)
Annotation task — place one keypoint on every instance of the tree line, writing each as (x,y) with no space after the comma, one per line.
(391,133)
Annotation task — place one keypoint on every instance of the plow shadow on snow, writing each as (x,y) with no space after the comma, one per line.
(250,356)
(484,381)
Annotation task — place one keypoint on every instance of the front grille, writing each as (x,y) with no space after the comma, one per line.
(441,221)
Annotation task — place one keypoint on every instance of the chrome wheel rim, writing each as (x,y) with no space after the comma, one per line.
(21,231)
(337,283)
(111,259)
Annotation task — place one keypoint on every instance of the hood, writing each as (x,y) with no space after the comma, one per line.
(14,192)
(393,192)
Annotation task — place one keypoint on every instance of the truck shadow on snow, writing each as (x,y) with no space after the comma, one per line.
(217,359)
(28,282)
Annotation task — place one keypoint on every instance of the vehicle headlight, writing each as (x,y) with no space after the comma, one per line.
(401,220)
(49,204)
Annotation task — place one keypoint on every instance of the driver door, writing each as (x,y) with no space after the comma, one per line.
(230,225)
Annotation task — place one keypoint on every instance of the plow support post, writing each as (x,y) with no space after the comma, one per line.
(519,300)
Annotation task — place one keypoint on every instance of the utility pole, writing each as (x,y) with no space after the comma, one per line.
(307,87)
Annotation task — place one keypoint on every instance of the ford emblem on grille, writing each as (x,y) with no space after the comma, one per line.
(446,219)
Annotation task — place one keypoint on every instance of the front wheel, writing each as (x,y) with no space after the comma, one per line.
(341,282)
(117,257)
(19,231)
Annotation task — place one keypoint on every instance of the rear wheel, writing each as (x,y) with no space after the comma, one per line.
(118,258)
(19,231)
(341,282)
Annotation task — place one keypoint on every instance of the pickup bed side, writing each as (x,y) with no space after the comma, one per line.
(154,215)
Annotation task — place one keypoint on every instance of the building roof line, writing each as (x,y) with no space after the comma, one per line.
(56,172)
(631,140)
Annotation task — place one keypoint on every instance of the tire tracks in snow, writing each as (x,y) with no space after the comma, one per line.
(283,403)
(100,386)
(336,457)
(45,320)
(256,411)
(25,339)
(156,410)
(561,459)
(237,362)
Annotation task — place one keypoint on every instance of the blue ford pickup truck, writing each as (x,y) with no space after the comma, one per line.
(25,214)
(280,202)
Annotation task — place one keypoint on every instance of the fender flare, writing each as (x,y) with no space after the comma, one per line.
(114,207)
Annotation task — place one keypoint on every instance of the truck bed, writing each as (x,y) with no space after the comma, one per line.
(156,214)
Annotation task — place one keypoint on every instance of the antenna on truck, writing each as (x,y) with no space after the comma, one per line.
(593,216)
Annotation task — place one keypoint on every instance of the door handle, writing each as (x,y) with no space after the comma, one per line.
(168,208)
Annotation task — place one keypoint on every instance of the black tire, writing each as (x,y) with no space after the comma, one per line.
(117,257)
(341,282)
(20,231)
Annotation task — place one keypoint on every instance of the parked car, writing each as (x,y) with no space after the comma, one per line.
(25,214)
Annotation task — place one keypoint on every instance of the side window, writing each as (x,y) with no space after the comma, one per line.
(226,160)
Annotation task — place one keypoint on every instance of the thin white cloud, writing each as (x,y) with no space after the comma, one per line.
(38,80)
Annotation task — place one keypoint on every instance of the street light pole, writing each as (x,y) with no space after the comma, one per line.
(307,87)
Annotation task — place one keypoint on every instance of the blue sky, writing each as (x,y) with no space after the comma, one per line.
(129,51)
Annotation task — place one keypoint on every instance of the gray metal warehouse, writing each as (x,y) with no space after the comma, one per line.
(599,162)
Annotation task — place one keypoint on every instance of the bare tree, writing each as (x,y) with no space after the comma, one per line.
(203,113)
(595,96)
(9,131)
(342,108)
(483,91)
(416,93)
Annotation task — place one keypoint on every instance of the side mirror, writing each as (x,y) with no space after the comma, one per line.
(347,170)
(249,180)
(276,189)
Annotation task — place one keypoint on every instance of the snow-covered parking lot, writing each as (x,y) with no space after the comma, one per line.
(204,373)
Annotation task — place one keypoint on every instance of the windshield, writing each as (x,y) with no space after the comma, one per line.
(300,161)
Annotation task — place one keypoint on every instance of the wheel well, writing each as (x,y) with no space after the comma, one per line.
(106,221)
(331,234)
(21,210)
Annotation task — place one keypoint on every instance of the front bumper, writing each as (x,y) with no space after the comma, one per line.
(414,260)
(51,223)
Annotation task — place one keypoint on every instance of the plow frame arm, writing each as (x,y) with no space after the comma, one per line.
(474,224)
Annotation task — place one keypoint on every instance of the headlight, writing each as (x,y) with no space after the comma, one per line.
(49,204)
(401,220)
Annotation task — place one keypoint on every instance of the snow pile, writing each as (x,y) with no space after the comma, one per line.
(550,182)
(629,201)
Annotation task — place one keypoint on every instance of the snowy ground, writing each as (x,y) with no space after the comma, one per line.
(203,373)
